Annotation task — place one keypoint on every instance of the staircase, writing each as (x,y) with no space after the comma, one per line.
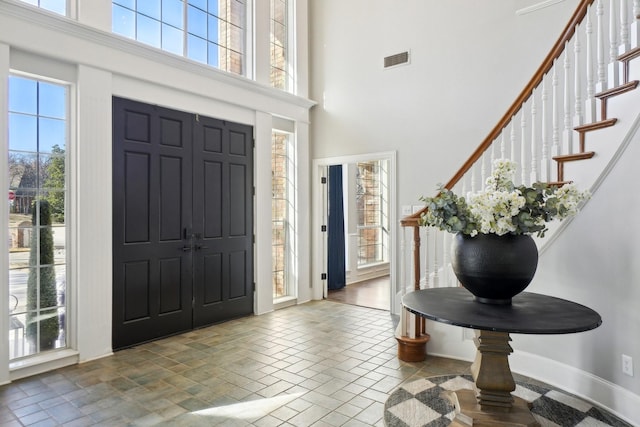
(569,124)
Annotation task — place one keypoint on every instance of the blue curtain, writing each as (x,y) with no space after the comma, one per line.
(336,274)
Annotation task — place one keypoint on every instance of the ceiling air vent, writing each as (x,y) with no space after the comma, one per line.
(397,59)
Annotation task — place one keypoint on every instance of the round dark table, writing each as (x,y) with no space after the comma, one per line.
(492,402)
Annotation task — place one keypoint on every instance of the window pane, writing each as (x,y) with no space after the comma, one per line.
(213,55)
(52,172)
(26,99)
(197,22)
(279,36)
(214,7)
(57,6)
(202,4)
(23,171)
(150,8)
(52,100)
(213,29)
(236,13)
(197,49)
(123,21)
(131,4)
(18,286)
(149,31)
(172,13)
(172,39)
(235,63)
(52,133)
(279,11)
(236,40)
(23,132)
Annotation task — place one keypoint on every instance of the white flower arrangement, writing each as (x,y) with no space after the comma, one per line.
(502,207)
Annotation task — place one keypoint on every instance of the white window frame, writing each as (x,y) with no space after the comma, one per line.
(40,362)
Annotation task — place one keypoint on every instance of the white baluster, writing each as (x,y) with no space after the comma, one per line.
(503,144)
(523,147)
(483,168)
(513,138)
(625,42)
(567,137)
(591,113)
(533,174)
(601,72)
(494,149)
(578,118)
(425,246)
(435,283)
(446,247)
(634,31)
(464,185)
(614,65)
(472,171)
(545,176)
(555,115)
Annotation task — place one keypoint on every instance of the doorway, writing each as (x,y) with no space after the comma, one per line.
(369,245)
(182,221)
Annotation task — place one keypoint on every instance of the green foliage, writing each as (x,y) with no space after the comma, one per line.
(55,182)
(502,207)
(45,295)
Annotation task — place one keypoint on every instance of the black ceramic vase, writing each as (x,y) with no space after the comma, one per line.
(494,268)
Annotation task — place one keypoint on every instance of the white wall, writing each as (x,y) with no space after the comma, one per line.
(595,263)
(99,65)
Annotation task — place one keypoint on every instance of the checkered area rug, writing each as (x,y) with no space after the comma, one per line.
(419,404)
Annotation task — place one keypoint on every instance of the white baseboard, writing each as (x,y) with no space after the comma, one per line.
(615,399)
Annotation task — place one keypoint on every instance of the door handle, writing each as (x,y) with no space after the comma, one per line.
(198,247)
(186,248)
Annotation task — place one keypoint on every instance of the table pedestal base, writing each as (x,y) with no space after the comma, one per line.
(469,412)
(491,403)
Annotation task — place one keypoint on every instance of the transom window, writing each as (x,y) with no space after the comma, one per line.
(38,130)
(207,31)
(280,63)
(57,6)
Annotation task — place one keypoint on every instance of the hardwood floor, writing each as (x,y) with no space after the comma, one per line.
(372,293)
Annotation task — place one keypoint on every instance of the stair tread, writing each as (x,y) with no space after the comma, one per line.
(596,125)
(623,88)
(575,156)
(558,183)
(629,55)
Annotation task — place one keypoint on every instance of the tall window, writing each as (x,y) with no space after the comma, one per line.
(282,213)
(38,131)
(57,6)
(208,31)
(280,72)
(372,200)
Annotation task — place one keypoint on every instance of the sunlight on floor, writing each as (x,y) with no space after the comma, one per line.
(250,409)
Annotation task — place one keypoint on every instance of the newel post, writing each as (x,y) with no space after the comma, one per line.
(412,339)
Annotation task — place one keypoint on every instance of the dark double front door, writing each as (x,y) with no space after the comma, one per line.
(182,221)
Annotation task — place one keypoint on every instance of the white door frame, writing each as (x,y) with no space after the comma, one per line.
(319,258)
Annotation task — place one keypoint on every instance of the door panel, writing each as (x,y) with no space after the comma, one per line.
(183,221)
(152,273)
(222,151)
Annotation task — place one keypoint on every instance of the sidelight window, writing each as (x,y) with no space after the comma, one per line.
(38,129)
(372,201)
(282,213)
(207,31)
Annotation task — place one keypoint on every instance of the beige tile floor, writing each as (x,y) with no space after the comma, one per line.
(317,364)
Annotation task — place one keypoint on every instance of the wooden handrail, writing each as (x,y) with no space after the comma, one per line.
(545,67)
